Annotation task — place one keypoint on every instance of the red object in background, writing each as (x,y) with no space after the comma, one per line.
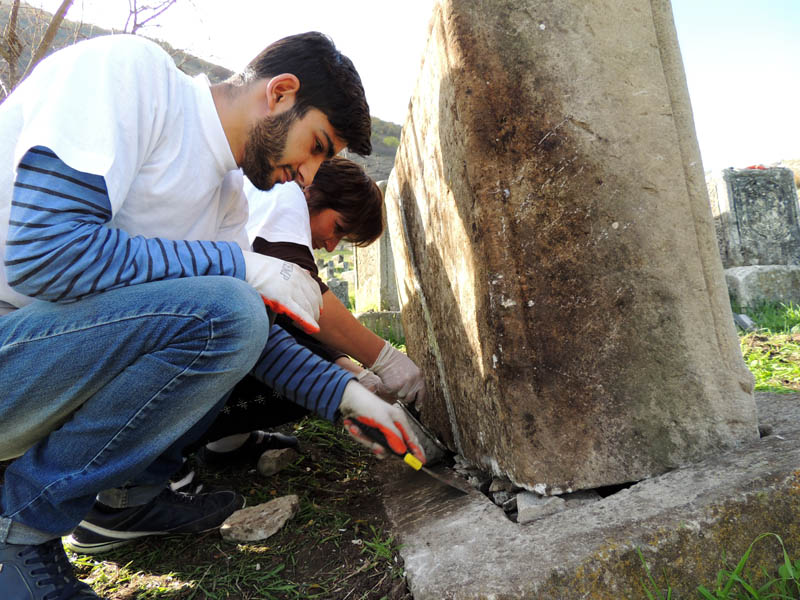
(760,167)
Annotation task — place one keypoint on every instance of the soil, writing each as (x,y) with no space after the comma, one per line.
(320,553)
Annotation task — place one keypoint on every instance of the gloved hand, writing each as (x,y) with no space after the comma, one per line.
(285,288)
(359,406)
(373,383)
(399,374)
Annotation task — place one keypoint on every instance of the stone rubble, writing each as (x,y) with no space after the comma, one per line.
(259,522)
(520,505)
(274,461)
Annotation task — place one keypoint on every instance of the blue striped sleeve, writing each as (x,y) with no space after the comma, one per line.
(301,376)
(59,248)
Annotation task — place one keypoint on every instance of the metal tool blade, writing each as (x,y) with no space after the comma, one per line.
(449,480)
(428,433)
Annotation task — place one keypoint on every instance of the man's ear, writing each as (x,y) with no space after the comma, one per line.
(281,91)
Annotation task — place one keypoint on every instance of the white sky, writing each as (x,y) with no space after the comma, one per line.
(742,58)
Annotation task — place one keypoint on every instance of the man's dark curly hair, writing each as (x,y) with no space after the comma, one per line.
(328,82)
(342,185)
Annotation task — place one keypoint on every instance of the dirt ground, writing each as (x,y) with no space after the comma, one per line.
(338,546)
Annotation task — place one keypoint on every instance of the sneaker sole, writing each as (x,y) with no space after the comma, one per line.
(115,539)
(93,548)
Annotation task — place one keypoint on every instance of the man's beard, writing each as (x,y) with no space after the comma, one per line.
(265,145)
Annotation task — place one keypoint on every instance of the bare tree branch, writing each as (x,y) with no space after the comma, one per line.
(11,48)
(135,11)
(48,37)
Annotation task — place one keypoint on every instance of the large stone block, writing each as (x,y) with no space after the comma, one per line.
(750,286)
(375,280)
(556,260)
(686,523)
(756,216)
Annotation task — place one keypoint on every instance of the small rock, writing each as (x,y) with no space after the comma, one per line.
(532,506)
(500,498)
(274,461)
(259,522)
(501,484)
(744,322)
(510,506)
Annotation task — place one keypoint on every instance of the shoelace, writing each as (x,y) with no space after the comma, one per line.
(55,570)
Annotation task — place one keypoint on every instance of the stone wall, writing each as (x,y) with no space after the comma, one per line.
(557,267)
(375,278)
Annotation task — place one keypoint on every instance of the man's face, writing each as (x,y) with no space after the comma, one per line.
(285,147)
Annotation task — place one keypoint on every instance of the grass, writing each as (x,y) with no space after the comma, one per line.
(336,546)
(772,351)
(740,583)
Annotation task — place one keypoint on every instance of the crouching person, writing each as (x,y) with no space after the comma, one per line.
(130,308)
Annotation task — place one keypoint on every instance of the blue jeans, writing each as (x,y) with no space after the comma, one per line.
(104,393)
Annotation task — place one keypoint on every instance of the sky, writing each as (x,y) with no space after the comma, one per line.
(742,58)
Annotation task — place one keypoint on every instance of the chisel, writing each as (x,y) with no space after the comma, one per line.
(412,461)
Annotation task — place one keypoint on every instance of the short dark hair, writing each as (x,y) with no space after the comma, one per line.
(342,185)
(328,82)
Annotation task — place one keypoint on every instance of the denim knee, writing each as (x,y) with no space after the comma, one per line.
(242,315)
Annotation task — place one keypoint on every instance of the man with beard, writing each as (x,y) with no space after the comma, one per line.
(131,303)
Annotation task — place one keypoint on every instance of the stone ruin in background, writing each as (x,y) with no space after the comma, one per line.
(757,219)
(556,261)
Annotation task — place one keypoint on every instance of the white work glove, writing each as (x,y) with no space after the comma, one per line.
(378,425)
(285,288)
(400,375)
(373,383)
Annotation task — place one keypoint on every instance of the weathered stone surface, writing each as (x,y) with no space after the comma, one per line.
(555,251)
(756,216)
(259,522)
(686,522)
(376,288)
(340,288)
(775,283)
(387,324)
(275,461)
(533,506)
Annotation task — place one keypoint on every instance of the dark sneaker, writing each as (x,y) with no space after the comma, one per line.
(168,513)
(40,572)
(186,480)
(253,447)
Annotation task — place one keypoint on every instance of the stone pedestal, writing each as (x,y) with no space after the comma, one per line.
(562,287)
(374,265)
(756,216)
(752,285)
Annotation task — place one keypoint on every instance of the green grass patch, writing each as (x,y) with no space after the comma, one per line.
(740,582)
(772,352)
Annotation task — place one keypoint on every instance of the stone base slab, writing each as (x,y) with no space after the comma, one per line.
(775,283)
(684,522)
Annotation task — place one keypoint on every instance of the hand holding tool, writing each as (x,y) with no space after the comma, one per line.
(361,408)
(377,436)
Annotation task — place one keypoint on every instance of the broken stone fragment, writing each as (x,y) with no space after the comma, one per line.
(532,506)
(259,522)
(500,498)
(501,484)
(274,461)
